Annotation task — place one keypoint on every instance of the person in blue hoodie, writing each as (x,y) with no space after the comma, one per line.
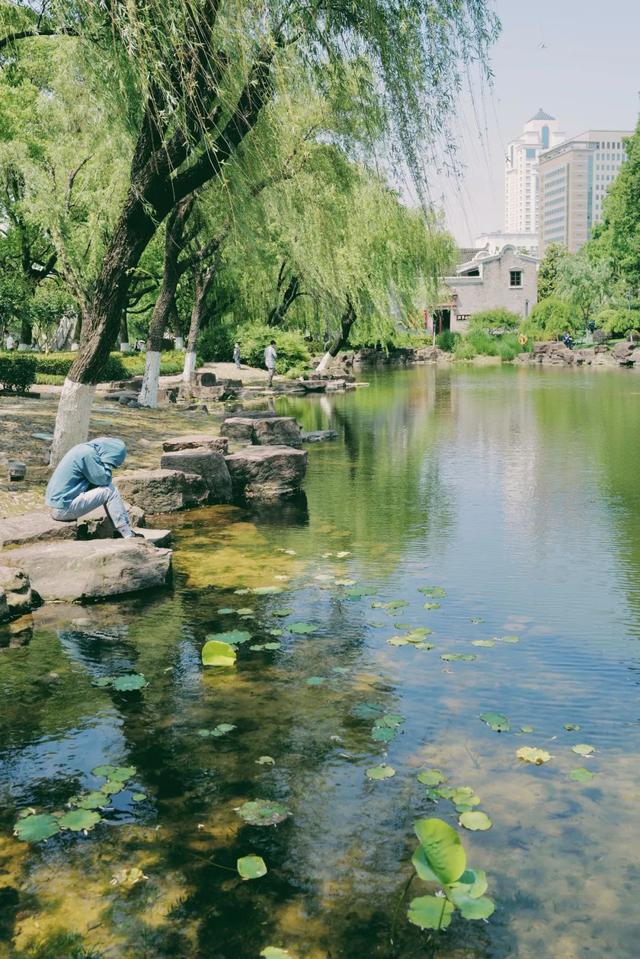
(82,481)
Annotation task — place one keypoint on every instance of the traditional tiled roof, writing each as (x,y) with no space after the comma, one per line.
(541,115)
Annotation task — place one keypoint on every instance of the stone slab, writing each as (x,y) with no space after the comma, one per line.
(192,441)
(162,490)
(34,527)
(266,472)
(75,571)
(319,436)
(207,463)
(263,430)
(16,597)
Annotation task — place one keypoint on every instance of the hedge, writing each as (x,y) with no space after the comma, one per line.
(17,372)
(53,367)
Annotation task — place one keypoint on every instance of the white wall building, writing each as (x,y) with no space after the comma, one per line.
(574,178)
(540,133)
(494,242)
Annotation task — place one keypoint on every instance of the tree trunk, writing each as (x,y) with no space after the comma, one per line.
(203,282)
(347,320)
(124,328)
(26,332)
(278,312)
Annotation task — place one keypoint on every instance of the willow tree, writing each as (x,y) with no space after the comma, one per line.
(202,71)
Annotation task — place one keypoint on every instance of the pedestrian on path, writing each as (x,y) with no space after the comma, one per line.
(270,357)
(236,355)
(82,482)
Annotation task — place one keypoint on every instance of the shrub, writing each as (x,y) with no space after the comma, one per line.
(290,346)
(59,364)
(447,340)
(215,344)
(481,343)
(550,318)
(499,319)
(616,321)
(171,361)
(17,372)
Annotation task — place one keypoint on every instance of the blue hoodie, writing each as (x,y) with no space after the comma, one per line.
(84,467)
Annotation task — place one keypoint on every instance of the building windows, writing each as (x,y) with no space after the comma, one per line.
(464,317)
(515,278)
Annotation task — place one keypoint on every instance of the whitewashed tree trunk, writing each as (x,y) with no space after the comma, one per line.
(324,362)
(149,390)
(189,366)
(72,421)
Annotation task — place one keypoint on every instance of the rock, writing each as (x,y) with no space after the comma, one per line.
(16,597)
(622,353)
(72,571)
(552,353)
(163,490)
(266,472)
(196,441)
(157,537)
(263,431)
(34,527)
(207,463)
(205,378)
(121,396)
(97,524)
(319,436)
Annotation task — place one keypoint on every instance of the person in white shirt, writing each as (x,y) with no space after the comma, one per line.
(270,357)
(9,342)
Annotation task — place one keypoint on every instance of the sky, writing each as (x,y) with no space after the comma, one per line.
(577,59)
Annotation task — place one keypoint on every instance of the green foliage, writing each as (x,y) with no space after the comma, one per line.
(617,321)
(554,255)
(480,343)
(550,318)
(17,372)
(215,344)
(499,319)
(290,346)
(53,367)
(447,340)
(583,282)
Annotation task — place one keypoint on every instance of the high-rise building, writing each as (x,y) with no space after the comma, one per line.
(521,172)
(574,179)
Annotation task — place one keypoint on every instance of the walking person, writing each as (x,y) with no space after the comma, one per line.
(270,357)
(82,481)
(236,355)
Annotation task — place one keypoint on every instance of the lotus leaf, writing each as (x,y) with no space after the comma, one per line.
(36,827)
(270,590)
(246,611)
(424,646)
(380,772)
(430,912)
(262,812)
(78,820)
(530,754)
(476,619)
(391,605)
(436,591)
(103,681)
(216,653)
(234,637)
(398,641)
(485,643)
(315,680)
(390,719)
(127,684)
(111,787)
(251,867)
(272,646)
(276,632)
(526,729)
(92,800)
(265,761)
(464,795)
(496,721)
(274,952)
(470,908)
(508,639)
(282,611)
(302,628)
(431,777)
(472,882)
(572,727)
(583,749)
(443,853)
(581,775)
(475,820)
(458,657)
(402,625)
(120,773)
(445,792)
(366,710)
(382,734)
(225,611)
(138,797)
(431,606)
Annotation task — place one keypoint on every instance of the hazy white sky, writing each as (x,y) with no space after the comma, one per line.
(577,59)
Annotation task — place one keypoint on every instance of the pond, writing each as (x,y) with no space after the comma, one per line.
(511,499)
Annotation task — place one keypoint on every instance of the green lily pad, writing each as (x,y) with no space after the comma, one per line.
(485,643)
(120,773)
(127,684)
(36,827)
(472,883)
(138,797)
(92,800)
(274,952)
(217,653)
(572,727)
(431,777)
(262,812)
(225,611)
(436,591)
(423,646)
(391,605)
(464,796)
(103,681)
(432,606)
(316,680)
(302,629)
(380,772)
(583,749)
(267,590)
(234,637)
(366,710)
(245,612)
(398,641)
(282,611)
(476,620)
(430,912)
(526,729)
(475,820)
(111,787)
(251,867)
(78,820)
(265,761)
(390,719)
(581,775)
(458,657)
(496,721)
(508,639)
(440,856)
(480,907)
(530,754)
(276,632)
(382,734)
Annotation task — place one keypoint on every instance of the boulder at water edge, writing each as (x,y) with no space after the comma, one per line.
(15,593)
(263,431)
(34,528)
(163,490)
(319,436)
(266,472)
(72,571)
(191,441)
(207,463)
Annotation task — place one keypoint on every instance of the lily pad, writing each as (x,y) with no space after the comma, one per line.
(111,787)
(138,797)
(282,611)
(245,612)
(470,908)
(436,591)
(302,629)
(464,796)
(270,590)
(526,729)
(476,620)
(234,637)
(430,912)
(572,727)
(398,641)
(316,680)
(431,777)
(217,653)
(391,605)
(127,684)
(36,827)
(496,721)
(583,749)
(78,820)
(380,772)
(530,754)
(581,775)
(265,761)
(366,710)
(390,719)
(485,643)
(475,820)
(508,639)
(92,800)
(262,812)
(458,657)
(431,606)
(103,681)
(120,773)
(274,952)
(423,646)
(440,856)
(225,611)
(251,867)
(473,882)
(382,734)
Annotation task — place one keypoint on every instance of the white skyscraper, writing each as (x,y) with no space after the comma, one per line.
(521,172)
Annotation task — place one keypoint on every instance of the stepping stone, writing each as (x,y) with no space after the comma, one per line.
(34,527)
(207,463)
(196,441)
(74,571)
(319,436)
(163,490)
(266,472)
(263,431)
(157,537)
